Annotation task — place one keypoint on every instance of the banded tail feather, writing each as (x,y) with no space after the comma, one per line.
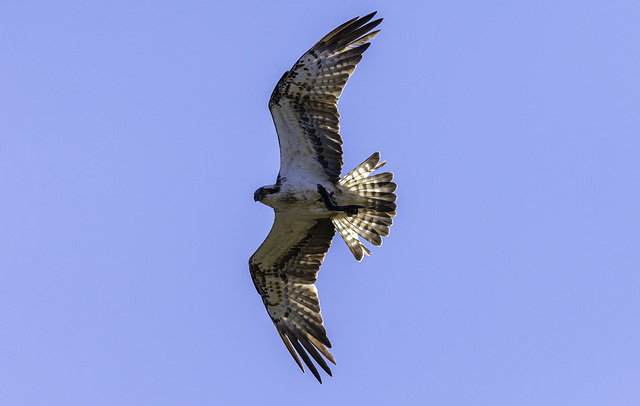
(375,194)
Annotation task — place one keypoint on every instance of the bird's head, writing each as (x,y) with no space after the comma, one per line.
(264,191)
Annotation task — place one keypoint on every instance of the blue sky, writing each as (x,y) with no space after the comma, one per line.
(132,138)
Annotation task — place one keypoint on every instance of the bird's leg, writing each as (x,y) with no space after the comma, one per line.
(351,209)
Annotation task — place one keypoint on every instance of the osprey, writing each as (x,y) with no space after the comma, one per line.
(309,198)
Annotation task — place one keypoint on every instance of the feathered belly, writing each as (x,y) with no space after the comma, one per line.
(300,199)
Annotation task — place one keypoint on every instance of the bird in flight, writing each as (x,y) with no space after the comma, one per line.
(310,199)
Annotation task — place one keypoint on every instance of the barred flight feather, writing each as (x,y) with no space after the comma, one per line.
(375,194)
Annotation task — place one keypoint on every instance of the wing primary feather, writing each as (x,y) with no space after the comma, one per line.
(350,25)
(356,35)
(364,41)
(314,353)
(287,344)
(340,28)
(323,349)
(305,357)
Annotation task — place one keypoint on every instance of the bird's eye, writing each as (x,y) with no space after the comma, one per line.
(263,191)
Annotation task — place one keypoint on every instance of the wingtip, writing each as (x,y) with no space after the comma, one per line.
(370,16)
(317,375)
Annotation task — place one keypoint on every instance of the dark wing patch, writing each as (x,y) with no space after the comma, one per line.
(284,270)
(304,102)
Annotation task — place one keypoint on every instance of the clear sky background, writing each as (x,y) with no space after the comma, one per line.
(132,138)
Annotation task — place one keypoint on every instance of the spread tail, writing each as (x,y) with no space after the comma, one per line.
(375,195)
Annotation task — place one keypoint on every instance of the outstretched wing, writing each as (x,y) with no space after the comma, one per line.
(284,270)
(304,102)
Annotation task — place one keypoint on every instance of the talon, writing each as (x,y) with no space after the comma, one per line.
(351,210)
(326,198)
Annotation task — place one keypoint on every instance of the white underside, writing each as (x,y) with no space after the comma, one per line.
(299,198)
